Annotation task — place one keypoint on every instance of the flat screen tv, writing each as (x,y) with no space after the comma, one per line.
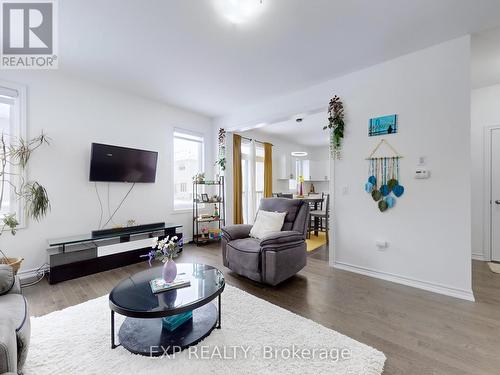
(121,164)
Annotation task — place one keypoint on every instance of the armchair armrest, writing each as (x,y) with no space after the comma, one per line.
(8,347)
(7,279)
(16,288)
(280,238)
(236,231)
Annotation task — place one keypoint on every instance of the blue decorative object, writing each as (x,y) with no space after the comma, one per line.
(391,201)
(398,190)
(368,187)
(383,125)
(384,189)
(383,172)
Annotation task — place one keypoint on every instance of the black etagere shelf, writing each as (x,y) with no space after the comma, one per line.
(211,188)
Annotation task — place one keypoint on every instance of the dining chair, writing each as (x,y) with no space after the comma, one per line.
(323,216)
(316,195)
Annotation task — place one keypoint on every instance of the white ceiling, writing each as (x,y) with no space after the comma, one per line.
(183,52)
(486,58)
(306,133)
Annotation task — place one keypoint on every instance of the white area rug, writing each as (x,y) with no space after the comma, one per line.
(494,267)
(76,341)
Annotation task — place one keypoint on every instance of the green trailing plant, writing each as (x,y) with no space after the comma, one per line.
(10,221)
(221,162)
(15,154)
(335,126)
(37,200)
(221,156)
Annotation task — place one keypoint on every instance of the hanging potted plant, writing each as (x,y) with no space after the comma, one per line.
(221,155)
(335,126)
(14,156)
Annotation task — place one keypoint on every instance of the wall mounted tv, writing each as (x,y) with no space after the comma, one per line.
(121,164)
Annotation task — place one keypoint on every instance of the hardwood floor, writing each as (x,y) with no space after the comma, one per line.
(420,332)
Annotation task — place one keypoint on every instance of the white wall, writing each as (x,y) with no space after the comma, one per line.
(429,231)
(74,114)
(485,112)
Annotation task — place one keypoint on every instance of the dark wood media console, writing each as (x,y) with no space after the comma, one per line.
(77,256)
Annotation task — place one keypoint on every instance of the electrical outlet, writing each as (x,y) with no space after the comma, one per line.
(382,245)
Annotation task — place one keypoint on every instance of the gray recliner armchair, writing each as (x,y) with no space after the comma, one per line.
(276,257)
(14,323)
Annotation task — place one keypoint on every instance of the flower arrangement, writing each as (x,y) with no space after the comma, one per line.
(163,250)
(199,178)
(335,126)
(300,190)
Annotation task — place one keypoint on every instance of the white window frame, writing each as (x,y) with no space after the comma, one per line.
(20,113)
(191,136)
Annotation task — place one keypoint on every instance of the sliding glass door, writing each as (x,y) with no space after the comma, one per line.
(252,169)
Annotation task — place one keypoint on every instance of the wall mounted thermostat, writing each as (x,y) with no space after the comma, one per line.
(422,173)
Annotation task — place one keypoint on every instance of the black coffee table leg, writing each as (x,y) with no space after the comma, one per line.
(218,322)
(113,346)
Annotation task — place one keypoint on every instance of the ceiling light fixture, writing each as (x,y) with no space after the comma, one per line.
(299,153)
(239,11)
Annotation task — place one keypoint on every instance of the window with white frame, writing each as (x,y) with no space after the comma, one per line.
(188,161)
(12,117)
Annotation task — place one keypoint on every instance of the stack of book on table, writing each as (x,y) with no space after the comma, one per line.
(159,285)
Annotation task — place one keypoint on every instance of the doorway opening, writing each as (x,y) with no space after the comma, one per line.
(301,169)
(492,203)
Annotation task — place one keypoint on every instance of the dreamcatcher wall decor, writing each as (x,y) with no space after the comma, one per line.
(383,177)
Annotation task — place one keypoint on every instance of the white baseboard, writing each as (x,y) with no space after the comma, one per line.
(425,285)
(478,256)
(31,273)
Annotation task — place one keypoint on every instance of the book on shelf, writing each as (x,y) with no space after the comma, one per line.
(171,323)
(159,285)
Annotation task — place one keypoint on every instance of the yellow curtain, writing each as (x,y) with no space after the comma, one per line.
(237,181)
(268,170)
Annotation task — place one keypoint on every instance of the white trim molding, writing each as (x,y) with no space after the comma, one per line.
(32,273)
(425,285)
(18,94)
(487,243)
(479,256)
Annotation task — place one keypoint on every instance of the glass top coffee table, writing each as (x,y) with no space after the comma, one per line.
(142,331)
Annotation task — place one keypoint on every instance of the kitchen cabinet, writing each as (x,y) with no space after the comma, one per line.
(319,170)
(312,170)
(285,171)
